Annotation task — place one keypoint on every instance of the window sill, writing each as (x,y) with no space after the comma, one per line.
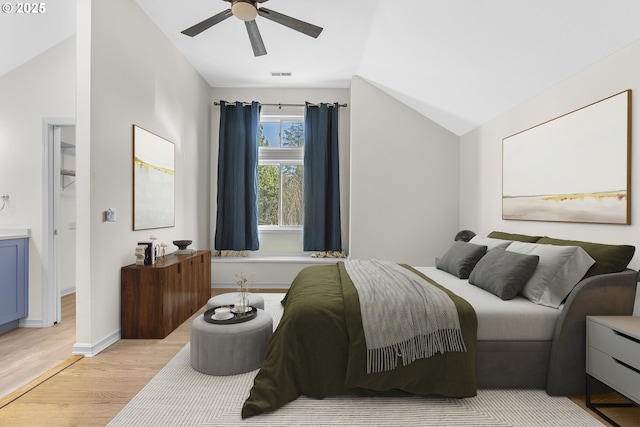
(275,230)
(277,258)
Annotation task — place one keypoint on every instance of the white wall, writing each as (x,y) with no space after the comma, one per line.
(404,180)
(481,153)
(130,73)
(43,87)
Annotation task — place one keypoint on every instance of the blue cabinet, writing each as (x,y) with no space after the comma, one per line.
(14,282)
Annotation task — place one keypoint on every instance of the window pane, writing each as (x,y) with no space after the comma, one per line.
(292,134)
(292,185)
(268,194)
(269,134)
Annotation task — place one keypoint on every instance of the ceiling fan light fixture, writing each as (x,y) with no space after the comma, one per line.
(245,11)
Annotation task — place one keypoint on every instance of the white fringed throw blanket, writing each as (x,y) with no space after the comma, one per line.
(403,315)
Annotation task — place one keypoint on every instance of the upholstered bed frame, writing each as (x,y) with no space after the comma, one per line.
(607,289)
(531,336)
(558,365)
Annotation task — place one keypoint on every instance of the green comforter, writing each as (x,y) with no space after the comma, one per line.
(318,350)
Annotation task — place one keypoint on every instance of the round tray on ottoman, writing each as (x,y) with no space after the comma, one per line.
(255,300)
(229,349)
(236,318)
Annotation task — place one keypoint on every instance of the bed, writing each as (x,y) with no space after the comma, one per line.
(511,341)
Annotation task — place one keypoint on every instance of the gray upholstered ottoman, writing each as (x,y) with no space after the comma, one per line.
(230,298)
(229,349)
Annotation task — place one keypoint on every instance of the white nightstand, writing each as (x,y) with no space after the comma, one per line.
(613,357)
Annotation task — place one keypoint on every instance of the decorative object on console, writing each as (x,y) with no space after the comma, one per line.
(153,181)
(140,254)
(182,247)
(149,252)
(574,168)
(185,251)
(464,235)
(163,249)
(156,249)
(182,244)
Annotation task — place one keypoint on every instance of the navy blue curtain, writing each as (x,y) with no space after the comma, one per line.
(237,214)
(321,230)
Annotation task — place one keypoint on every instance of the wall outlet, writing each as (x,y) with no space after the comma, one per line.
(110,215)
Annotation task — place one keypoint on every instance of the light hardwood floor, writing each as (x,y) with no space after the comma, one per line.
(92,390)
(25,353)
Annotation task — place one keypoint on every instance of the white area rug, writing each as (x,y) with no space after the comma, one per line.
(181,396)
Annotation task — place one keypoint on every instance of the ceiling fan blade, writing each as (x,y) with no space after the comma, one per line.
(207,23)
(293,23)
(255,38)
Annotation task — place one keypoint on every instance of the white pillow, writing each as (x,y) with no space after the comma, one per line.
(490,242)
(559,270)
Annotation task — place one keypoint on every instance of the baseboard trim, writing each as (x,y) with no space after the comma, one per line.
(65,292)
(35,323)
(90,350)
(276,259)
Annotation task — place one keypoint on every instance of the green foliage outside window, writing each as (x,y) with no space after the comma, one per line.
(288,178)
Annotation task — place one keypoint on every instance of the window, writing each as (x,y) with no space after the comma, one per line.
(281,170)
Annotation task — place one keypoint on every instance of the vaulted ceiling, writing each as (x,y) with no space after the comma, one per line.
(458,62)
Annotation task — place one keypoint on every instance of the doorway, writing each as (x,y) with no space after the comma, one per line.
(59,236)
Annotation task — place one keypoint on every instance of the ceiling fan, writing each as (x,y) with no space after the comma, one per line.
(247,11)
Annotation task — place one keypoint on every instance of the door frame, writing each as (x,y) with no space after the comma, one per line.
(51,164)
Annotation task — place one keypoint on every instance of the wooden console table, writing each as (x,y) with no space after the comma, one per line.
(156,299)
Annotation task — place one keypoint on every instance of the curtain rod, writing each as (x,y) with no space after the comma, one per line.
(216,103)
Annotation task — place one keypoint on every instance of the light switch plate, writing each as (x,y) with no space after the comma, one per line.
(110,215)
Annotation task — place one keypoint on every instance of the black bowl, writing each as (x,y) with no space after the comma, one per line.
(182,244)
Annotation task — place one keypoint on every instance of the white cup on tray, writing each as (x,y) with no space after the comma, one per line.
(222,313)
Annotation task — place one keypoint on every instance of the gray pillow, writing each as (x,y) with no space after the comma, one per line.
(460,259)
(559,271)
(490,242)
(503,273)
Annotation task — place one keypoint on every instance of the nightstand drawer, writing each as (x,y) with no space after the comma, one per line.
(613,373)
(617,344)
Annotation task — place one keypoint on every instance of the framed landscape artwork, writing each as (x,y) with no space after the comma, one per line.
(574,168)
(153,181)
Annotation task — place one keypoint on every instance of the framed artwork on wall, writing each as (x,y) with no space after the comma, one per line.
(153,180)
(574,168)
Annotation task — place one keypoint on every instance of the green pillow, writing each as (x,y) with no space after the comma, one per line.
(516,237)
(609,258)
